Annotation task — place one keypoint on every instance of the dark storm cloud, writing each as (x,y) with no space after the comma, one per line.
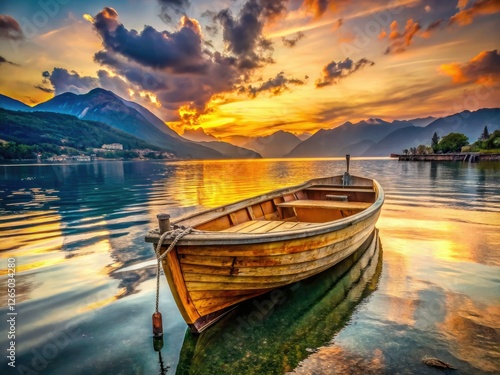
(220,74)
(291,42)
(180,51)
(273,9)
(44,89)
(177,7)
(64,81)
(179,67)
(334,71)
(3,60)
(434,25)
(243,34)
(9,28)
(274,86)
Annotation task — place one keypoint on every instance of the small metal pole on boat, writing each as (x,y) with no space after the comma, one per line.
(345,178)
(164,223)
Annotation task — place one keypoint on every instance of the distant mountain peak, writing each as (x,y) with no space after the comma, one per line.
(100,89)
(277,144)
(374,121)
(198,135)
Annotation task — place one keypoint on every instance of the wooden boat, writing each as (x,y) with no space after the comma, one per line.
(245,249)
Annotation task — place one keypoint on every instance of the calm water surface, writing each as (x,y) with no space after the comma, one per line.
(85,278)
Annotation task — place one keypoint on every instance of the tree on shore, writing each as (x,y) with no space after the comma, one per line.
(485,135)
(435,142)
(493,142)
(424,150)
(453,142)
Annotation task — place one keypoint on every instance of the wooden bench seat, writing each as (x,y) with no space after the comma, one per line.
(365,187)
(332,205)
(266,226)
(341,190)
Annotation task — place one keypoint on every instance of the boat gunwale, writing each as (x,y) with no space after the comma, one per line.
(235,238)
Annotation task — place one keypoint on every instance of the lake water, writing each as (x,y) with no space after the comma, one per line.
(85,278)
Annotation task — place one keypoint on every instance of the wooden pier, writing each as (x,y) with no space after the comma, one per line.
(470,157)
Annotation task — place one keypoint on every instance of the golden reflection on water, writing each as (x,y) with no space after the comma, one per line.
(451,236)
(475,324)
(217,182)
(41,232)
(400,302)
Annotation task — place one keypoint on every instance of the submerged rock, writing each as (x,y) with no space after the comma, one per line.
(434,362)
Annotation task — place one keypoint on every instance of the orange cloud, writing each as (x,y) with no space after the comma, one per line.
(394,34)
(480,7)
(400,40)
(483,68)
(191,23)
(319,7)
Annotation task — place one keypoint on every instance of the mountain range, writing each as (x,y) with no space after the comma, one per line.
(376,137)
(370,137)
(469,123)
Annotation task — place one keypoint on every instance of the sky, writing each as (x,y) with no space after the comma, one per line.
(253,67)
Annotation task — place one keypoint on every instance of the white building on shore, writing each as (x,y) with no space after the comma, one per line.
(113,146)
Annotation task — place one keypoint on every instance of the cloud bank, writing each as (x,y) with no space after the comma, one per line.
(335,71)
(9,28)
(483,68)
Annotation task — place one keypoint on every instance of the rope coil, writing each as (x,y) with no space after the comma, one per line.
(176,234)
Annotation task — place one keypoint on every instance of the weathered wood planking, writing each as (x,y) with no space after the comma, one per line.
(340,190)
(271,260)
(293,245)
(325,204)
(257,226)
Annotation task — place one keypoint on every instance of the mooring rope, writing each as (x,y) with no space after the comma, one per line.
(178,234)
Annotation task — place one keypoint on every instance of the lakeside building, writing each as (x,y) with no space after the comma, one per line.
(112,146)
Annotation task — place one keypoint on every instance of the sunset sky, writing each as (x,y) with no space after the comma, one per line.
(254,67)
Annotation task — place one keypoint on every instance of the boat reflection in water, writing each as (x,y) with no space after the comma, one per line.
(271,334)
